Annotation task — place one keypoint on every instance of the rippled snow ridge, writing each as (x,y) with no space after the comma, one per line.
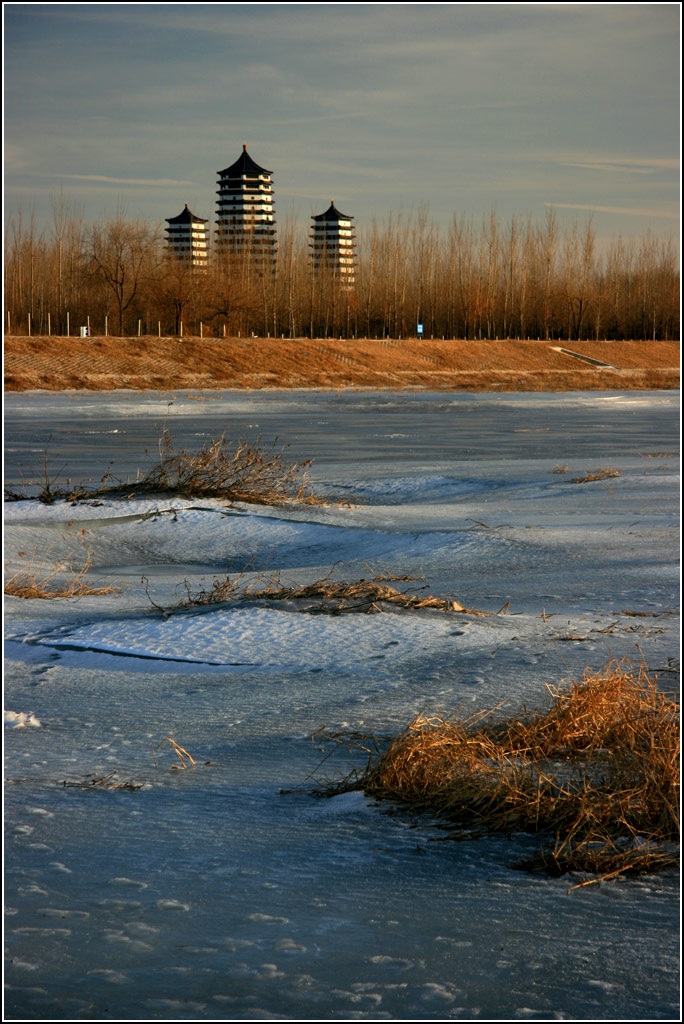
(229,890)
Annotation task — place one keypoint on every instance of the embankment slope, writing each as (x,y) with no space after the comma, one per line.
(151,363)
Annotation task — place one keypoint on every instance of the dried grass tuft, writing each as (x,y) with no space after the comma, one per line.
(224,469)
(38,581)
(365,595)
(595,474)
(232,470)
(324,596)
(598,772)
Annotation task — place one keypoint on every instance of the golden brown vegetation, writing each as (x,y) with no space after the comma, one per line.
(366,595)
(598,772)
(473,280)
(596,474)
(232,470)
(323,596)
(151,363)
(224,469)
(43,581)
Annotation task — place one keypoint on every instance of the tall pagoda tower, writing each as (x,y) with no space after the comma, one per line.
(245,222)
(187,238)
(333,242)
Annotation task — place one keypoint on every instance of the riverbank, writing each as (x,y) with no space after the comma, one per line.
(151,363)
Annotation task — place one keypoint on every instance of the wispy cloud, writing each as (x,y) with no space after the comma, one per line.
(626,211)
(462,106)
(629,166)
(103,179)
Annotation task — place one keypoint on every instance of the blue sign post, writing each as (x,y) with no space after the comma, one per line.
(420,330)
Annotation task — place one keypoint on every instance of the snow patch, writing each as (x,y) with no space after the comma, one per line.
(20,719)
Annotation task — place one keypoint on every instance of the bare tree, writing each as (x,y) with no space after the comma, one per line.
(66,232)
(578,255)
(232,294)
(122,253)
(548,240)
(479,280)
(172,289)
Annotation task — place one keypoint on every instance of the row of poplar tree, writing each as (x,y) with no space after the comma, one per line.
(476,279)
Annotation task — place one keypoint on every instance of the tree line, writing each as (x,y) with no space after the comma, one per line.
(474,280)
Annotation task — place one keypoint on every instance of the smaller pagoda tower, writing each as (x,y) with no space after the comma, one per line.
(187,238)
(333,244)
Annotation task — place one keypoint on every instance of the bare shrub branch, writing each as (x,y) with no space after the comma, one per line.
(184,758)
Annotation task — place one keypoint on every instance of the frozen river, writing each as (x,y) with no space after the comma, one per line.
(230,890)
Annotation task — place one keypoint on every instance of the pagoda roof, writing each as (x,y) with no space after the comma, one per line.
(332,213)
(186,217)
(244,165)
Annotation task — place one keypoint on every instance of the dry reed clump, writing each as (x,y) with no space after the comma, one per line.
(599,772)
(595,474)
(236,471)
(323,596)
(224,469)
(38,581)
(366,595)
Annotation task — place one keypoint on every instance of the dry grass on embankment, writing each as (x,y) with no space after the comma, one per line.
(597,774)
(151,363)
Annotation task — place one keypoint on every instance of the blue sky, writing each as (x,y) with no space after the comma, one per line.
(383,107)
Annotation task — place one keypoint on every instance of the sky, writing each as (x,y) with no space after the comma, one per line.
(457,109)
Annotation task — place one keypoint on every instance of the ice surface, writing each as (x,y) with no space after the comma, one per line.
(228,890)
